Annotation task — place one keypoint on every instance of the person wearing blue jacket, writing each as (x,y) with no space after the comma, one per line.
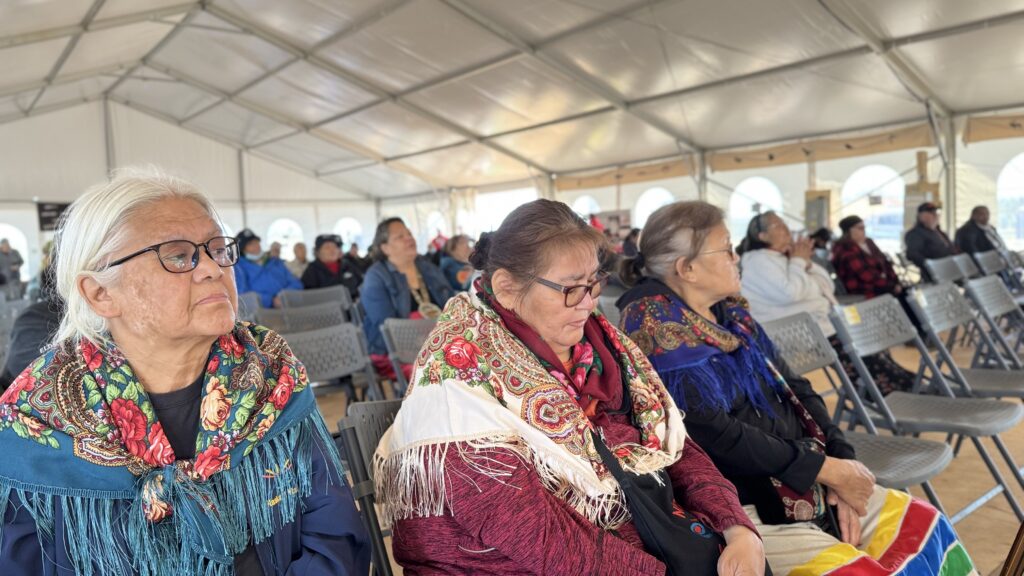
(262,273)
(400,284)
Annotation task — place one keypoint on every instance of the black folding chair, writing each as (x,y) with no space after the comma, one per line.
(360,433)
(403,339)
(334,353)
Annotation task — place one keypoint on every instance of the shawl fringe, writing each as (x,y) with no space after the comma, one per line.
(252,500)
(417,484)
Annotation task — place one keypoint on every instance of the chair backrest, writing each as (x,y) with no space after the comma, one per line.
(248,305)
(404,338)
(941,307)
(371,420)
(990,262)
(872,326)
(332,352)
(360,431)
(944,269)
(314,296)
(301,319)
(990,294)
(967,266)
(610,311)
(800,341)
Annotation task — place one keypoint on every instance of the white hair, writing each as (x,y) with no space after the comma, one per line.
(95,227)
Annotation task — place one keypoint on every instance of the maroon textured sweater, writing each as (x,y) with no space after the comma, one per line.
(517,527)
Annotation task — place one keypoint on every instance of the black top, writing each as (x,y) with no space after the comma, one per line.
(748,446)
(927,244)
(317,275)
(32,330)
(971,239)
(178,413)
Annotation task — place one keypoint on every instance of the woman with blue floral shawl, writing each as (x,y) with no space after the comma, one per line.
(157,435)
(817,508)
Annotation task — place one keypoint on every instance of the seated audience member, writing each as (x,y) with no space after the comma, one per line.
(629,243)
(536,439)
(298,266)
(822,254)
(400,284)
(926,240)
(158,435)
(978,235)
(329,269)
(262,274)
(10,267)
(864,269)
(34,328)
(353,259)
(763,426)
(779,280)
(275,250)
(455,262)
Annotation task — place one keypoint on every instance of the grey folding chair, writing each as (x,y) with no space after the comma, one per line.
(403,339)
(608,308)
(997,306)
(333,353)
(990,262)
(878,324)
(338,295)
(896,461)
(248,305)
(360,432)
(942,308)
(968,268)
(301,319)
(944,270)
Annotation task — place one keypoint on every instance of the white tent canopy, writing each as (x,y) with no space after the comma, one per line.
(386,98)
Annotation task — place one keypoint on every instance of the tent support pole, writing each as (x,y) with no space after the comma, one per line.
(949,127)
(108,136)
(702,176)
(241,187)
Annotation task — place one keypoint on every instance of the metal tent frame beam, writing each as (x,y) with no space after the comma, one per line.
(68,49)
(133,18)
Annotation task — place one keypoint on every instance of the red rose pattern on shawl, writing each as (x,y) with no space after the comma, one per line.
(461,354)
(117,424)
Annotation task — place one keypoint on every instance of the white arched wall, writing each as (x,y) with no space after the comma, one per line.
(611,198)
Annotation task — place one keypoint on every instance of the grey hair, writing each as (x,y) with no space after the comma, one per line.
(678,230)
(94,228)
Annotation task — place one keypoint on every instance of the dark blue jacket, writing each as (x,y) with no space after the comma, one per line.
(451,268)
(265,279)
(385,294)
(326,539)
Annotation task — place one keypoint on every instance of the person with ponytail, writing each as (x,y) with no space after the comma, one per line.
(817,508)
(536,439)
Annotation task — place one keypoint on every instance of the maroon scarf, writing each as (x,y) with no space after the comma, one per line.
(602,390)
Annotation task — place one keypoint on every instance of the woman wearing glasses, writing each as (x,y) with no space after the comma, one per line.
(536,439)
(158,435)
(817,508)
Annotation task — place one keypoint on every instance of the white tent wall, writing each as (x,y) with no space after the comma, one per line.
(29,170)
(626,196)
(979,167)
(140,139)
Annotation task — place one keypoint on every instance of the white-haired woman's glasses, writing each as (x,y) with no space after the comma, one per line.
(180,256)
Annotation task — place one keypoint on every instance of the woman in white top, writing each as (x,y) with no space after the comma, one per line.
(779,279)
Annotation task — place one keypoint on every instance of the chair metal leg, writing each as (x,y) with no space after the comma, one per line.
(959,443)
(1014,469)
(933,497)
(999,477)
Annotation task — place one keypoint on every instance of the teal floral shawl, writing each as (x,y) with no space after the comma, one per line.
(78,431)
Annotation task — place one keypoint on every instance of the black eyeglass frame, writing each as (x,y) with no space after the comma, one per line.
(229,243)
(602,280)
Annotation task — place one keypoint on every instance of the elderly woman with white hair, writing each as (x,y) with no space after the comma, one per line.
(158,435)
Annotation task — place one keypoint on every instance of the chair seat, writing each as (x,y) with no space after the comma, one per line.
(994,383)
(970,416)
(899,461)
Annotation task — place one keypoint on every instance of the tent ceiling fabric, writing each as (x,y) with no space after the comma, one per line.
(394,97)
